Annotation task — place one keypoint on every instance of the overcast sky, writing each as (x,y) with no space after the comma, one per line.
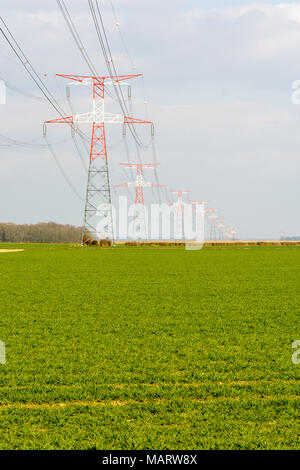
(217,77)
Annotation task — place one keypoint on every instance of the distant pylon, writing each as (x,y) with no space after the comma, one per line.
(179,223)
(98,194)
(212,215)
(233,232)
(227,233)
(140,222)
(199,203)
(201,212)
(221,227)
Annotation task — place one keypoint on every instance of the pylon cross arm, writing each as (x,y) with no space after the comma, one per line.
(113,118)
(139,165)
(91,117)
(63,120)
(84,117)
(144,184)
(131,184)
(91,79)
(132,120)
(99,117)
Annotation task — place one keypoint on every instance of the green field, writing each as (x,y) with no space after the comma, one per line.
(132,348)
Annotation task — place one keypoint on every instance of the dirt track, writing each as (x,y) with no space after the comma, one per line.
(9,251)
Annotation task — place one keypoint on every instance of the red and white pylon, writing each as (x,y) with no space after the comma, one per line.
(227,233)
(233,232)
(98,194)
(140,219)
(221,227)
(200,211)
(179,230)
(202,204)
(212,215)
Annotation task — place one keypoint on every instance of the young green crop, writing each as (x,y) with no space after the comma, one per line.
(132,348)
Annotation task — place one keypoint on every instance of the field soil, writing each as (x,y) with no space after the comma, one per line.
(10,251)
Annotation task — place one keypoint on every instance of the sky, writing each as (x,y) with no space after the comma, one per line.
(218,84)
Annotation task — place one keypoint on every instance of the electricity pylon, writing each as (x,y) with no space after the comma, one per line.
(233,232)
(98,194)
(139,183)
(212,215)
(200,211)
(202,204)
(179,231)
(221,227)
(227,234)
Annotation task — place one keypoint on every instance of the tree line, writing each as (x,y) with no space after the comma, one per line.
(39,233)
(292,239)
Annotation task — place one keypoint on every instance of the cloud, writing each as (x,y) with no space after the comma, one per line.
(257,30)
(220,83)
(249,42)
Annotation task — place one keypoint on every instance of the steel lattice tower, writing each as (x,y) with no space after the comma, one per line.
(212,215)
(200,213)
(233,232)
(221,227)
(179,231)
(98,194)
(140,184)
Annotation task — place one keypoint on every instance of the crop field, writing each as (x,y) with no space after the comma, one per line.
(144,348)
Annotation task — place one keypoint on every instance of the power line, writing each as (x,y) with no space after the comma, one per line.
(72,28)
(75,35)
(121,35)
(82,49)
(152,140)
(42,87)
(13,142)
(62,170)
(128,54)
(79,152)
(21,92)
(115,72)
(30,70)
(110,64)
